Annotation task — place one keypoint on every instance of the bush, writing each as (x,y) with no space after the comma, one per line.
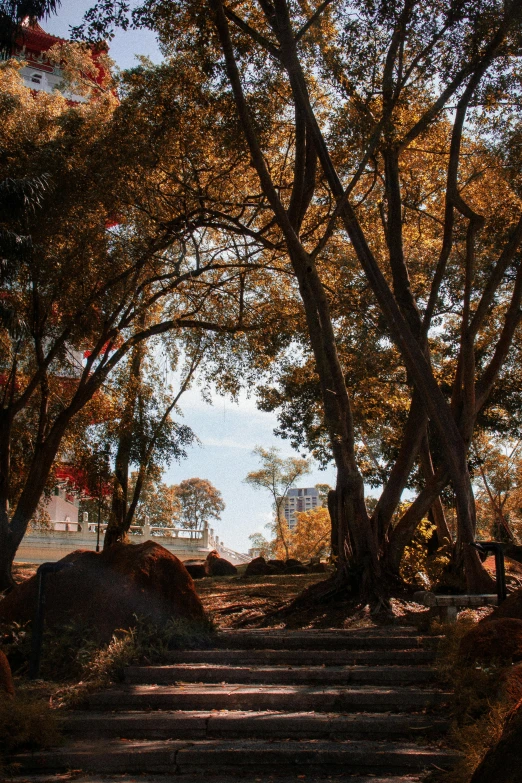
(26,723)
(70,654)
(418,566)
(479,705)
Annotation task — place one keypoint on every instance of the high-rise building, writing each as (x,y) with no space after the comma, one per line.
(300,499)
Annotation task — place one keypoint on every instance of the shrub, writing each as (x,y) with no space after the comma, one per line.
(418,566)
(26,723)
(479,705)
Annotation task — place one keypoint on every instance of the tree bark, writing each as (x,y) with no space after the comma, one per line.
(358,564)
(117,527)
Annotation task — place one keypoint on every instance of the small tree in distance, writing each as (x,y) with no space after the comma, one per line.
(200,502)
(312,534)
(277,475)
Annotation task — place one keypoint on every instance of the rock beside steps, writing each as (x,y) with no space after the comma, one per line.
(268,706)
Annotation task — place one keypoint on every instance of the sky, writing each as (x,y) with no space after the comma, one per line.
(228,431)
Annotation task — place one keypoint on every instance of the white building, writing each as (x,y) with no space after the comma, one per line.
(62,508)
(39,73)
(300,499)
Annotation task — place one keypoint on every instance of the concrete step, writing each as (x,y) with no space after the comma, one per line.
(322,640)
(303,657)
(245,724)
(284,675)
(300,698)
(205,757)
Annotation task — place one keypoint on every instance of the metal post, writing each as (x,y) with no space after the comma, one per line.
(38,620)
(99,518)
(500,566)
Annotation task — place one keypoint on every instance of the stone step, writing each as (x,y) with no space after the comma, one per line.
(300,698)
(208,757)
(244,724)
(284,675)
(322,640)
(303,657)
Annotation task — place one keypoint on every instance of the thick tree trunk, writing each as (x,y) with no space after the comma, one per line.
(8,547)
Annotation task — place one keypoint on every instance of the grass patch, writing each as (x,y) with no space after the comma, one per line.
(27,723)
(146,643)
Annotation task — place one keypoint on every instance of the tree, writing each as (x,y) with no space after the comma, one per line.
(336,106)
(261,546)
(403,30)
(14,12)
(499,488)
(311,536)
(158,502)
(82,288)
(277,475)
(145,434)
(200,502)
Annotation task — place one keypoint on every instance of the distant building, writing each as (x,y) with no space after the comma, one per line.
(39,73)
(300,499)
(62,508)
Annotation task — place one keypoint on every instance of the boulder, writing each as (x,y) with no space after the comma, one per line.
(6,678)
(218,566)
(278,566)
(297,569)
(291,562)
(511,607)
(258,567)
(104,591)
(502,764)
(196,568)
(499,640)
(511,683)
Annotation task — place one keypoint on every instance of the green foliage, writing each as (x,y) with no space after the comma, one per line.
(418,566)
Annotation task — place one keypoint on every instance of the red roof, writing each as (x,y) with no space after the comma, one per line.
(35,38)
(36,41)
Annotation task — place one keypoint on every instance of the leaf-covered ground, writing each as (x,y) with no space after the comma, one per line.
(235,602)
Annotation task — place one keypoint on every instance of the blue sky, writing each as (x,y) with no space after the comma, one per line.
(228,431)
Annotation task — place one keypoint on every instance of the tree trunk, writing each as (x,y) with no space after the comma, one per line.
(117,527)
(6,555)
(8,547)
(404,530)
(439,517)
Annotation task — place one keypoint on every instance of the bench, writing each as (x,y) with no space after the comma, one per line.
(447,606)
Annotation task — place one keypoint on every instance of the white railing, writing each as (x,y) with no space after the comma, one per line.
(182,541)
(203,537)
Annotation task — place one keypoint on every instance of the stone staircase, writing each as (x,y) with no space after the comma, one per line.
(266,706)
